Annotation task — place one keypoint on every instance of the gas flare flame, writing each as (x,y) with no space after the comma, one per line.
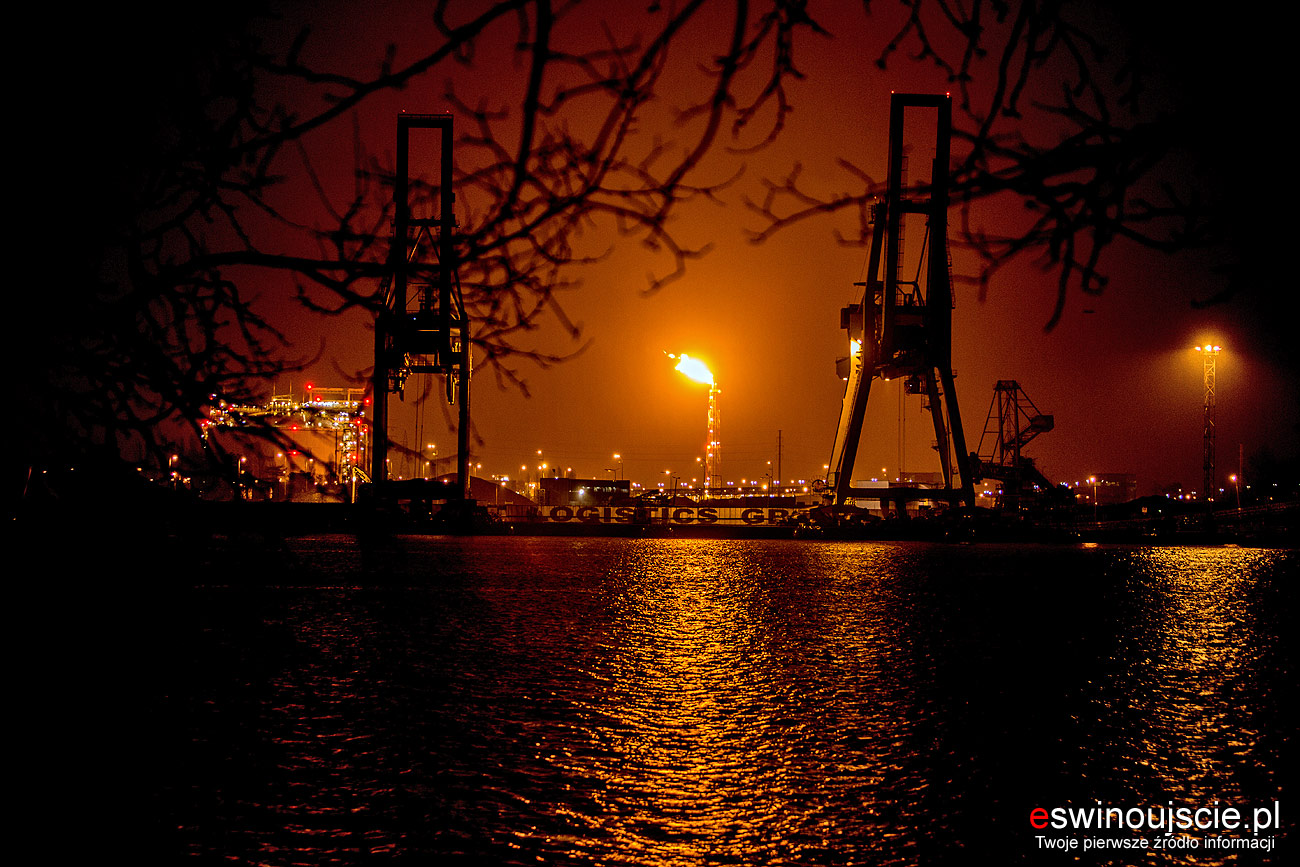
(693,368)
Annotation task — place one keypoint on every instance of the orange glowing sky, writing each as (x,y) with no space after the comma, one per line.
(1118,372)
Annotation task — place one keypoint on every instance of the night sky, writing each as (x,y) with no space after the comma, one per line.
(1118,372)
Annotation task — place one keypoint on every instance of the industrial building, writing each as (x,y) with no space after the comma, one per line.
(303,448)
(584,492)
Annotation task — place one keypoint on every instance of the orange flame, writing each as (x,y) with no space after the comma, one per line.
(694,369)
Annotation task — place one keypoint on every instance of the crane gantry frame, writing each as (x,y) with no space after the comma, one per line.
(902,328)
(422,327)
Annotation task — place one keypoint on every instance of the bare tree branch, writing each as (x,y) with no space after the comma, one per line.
(1020,67)
(166,316)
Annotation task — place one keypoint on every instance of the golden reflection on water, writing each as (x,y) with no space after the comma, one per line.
(1189,664)
(677,733)
(679,702)
(1195,648)
(714,735)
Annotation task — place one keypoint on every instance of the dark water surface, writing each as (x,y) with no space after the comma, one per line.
(431,700)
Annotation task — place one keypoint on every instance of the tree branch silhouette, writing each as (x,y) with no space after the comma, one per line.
(1019,68)
(196,234)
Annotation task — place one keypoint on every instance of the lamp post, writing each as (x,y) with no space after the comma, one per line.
(1209,352)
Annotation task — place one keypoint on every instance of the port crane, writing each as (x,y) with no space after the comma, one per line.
(1012,423)
(902,328)
(421,326)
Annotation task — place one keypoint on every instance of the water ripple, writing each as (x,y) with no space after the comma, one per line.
(684,702)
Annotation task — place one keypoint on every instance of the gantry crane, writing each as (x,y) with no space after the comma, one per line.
(1013,421)
(422,326)
(902,327)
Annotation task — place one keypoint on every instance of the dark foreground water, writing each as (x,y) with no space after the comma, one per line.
(427,700)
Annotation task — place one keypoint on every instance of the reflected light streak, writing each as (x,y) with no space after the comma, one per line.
(1189,660)
(701,745)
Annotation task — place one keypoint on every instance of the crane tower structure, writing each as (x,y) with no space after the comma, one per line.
(422,326)
(902,327)
(1013,421)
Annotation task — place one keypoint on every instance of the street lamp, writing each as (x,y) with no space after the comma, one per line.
(1210,352)
(694,369)
(619,458)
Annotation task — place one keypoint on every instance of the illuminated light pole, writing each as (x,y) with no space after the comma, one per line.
(1210,352)
(672,484)
(693,368)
